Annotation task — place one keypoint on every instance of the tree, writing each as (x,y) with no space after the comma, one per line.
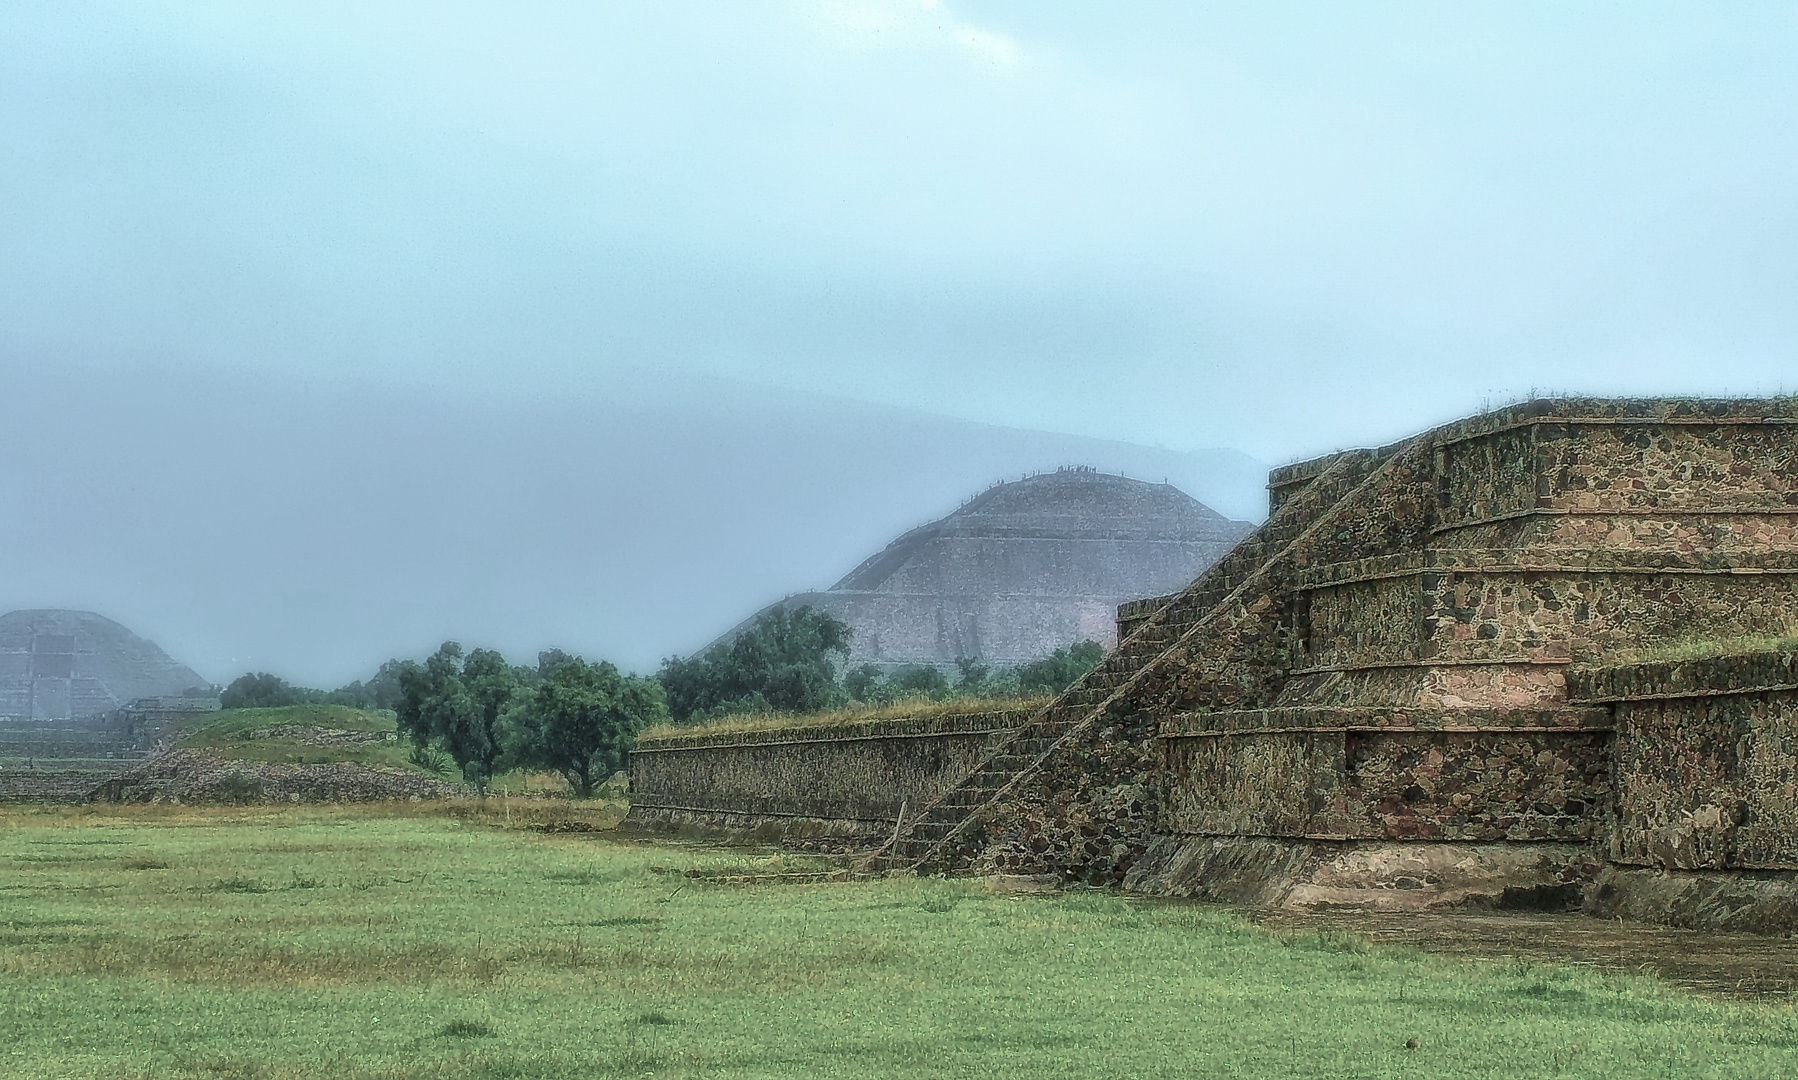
(581,719)
(260,690)
(460,704)
(782,662)
(382,691)
(1060,669)
(919,680)
(863,684)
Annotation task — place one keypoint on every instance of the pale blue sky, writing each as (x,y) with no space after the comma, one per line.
(1277,228)
(1281,229)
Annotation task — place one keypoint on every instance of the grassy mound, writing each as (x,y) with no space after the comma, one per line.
(302,735)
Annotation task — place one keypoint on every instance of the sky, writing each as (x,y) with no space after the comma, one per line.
(1271,229)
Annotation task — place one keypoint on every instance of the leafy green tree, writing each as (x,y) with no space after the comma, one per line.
(461,705)
(781,663)
(581,719)
(919,681)
(260,690)
(380,692)
(864,684)
(972,678)
(1060,669)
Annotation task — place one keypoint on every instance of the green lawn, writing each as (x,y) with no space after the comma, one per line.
(442,942)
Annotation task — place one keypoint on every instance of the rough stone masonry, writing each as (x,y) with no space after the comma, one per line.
(1430,678)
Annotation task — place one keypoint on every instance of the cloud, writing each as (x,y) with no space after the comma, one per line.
(899,24)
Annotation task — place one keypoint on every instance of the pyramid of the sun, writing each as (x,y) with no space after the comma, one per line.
(1024,568)
(66,665)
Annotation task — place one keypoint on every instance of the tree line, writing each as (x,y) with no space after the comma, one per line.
(788,661)
(579,718)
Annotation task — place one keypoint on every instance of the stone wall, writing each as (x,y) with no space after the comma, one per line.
(206,776)
(843,784)
(1706,761)
(61,781)
(1705,827)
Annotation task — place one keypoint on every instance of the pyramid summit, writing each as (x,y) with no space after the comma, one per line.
(1025,567)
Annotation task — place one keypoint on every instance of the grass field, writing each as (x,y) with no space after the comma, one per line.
(445,941)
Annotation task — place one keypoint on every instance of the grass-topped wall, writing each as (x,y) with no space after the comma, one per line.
(837,782)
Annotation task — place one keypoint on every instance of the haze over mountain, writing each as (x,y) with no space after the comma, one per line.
(413,254)
(316,530)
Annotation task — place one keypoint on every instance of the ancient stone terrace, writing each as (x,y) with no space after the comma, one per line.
(1367,701)
(1385,660)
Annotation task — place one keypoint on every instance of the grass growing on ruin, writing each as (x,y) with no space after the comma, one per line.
(286,735)
(912,709)
(1707,649)
(429,942)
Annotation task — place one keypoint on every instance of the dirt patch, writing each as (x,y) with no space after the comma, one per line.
(1733,965)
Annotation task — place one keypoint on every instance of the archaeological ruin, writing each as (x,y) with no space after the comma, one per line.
(1541,657)
(74,684)
(1022,569)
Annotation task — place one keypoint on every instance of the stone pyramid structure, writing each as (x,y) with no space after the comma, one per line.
(60,665)
(1412,684)
(1022,569)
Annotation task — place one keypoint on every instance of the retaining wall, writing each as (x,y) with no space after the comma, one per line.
(842,785)
(1705,821)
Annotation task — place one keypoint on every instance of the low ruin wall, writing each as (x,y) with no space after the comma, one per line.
(1705,761)
(842,785)
(64,781)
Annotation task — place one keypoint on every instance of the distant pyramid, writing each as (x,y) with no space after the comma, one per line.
(1024,568)
(62,665)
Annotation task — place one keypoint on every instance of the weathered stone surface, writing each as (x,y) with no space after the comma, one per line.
(1024,568)
(1706,761)
(845,783)
(197,776)
(1755,903)
(61,781)
(1383,877)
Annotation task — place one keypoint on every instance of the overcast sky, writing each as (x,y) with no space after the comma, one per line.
(1278,229)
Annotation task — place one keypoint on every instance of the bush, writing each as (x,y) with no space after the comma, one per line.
(1060,669)
(238,787)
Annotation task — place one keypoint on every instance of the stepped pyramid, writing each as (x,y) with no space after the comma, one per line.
(60,665)
(1380,670)
(1022,569)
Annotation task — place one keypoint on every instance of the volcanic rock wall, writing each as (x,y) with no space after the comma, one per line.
(1378,677)
(844,784)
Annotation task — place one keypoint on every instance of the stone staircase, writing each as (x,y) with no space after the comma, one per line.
(927,843)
